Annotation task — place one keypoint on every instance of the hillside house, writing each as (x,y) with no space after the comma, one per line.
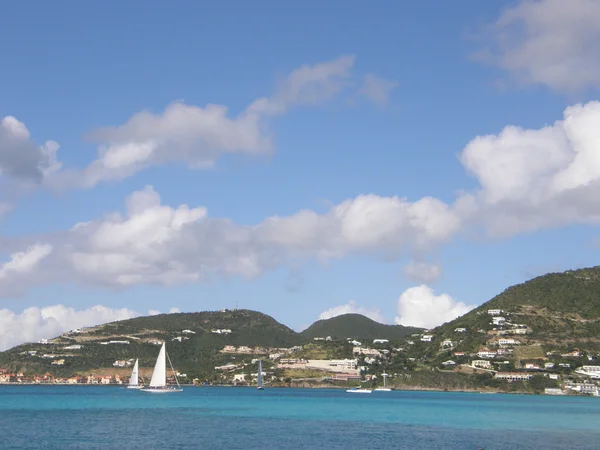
(58,362)
(380,341)
(549,365)
(494,312)
(460,330)
(498,320)
(513,376)
(449,363)
(507,341)
(532,366)
(188,332)
(447,344)
(486,354)
(589,371)
(426,338)
(519,330)
(366,351)
(227,367)
(72,347)
(481,364)
(333,365)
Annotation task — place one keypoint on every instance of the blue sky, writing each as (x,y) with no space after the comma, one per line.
(67,73)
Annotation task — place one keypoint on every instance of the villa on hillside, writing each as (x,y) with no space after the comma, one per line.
(513,376)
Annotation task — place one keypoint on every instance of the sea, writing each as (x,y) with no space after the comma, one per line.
(111,417)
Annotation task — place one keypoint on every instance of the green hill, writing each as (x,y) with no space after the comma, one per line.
(195,352)
(357,326)
(557,312)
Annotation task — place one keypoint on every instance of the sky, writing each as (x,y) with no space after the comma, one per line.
(403,160)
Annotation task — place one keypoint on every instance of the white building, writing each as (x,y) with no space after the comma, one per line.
(589,371)
(512,376)
(447,343)
(508,341)
(333,365)
(380,341)
(72,347)
(486,354)
(460,330)
(494,312)
(482,364)
(498,320)
(427,337)
(188,332)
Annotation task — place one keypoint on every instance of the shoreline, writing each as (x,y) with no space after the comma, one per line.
(399,389)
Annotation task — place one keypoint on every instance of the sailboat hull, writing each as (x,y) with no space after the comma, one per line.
(135,387)
(161,390)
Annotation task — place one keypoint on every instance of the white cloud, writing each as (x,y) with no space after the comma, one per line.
(20,158)
(158,244)
(548,42)
(197,136)
(377,89)
(420,307)
(352,308)
(34,323)
(533,179)
(15,273)
(422,272)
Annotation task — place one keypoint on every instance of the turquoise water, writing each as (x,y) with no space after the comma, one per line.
(86,417)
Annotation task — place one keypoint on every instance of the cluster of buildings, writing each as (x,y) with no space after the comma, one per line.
(7,377)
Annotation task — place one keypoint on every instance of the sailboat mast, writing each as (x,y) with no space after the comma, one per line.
(174,374)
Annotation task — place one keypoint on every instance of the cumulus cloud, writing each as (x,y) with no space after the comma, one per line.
(528,180)
(420,307)
(422,272)
(548,42)
(540,178)
(20,157)
(34,323)
(377,89)
(15,273)
(352,308)
(197,136)
(154,243)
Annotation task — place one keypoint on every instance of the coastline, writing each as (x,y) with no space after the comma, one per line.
(284,386)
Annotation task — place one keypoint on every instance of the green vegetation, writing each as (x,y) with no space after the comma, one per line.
(357,326)
(558,316)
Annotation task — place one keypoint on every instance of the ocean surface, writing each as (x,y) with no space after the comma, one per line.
(106,417)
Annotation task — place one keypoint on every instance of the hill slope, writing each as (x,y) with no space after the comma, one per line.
(553,313)
(357,326)
(197,351)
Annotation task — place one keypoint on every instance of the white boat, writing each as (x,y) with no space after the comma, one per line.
(384,389)
(359,390)
(259,380)
(134,379)
(158,383)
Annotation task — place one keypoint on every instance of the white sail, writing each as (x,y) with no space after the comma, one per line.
(159,375)
(133,380)
(259,381)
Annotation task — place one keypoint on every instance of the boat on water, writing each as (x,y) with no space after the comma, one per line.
(259,380)
(384,389)
(134,379)
(359,390)
(158,383)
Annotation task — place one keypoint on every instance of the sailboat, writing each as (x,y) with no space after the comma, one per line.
(158,383)
(386,389)
(259,381)
(134,379)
